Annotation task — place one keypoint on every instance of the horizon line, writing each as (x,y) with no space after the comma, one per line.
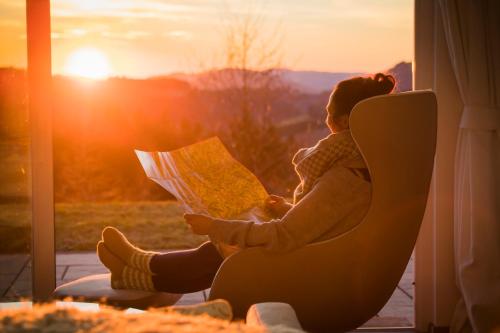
(173,73)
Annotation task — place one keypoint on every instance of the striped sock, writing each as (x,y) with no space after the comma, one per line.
(134,279)
(122,248)
(140,260)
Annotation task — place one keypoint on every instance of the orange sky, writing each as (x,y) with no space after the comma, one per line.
(152,37)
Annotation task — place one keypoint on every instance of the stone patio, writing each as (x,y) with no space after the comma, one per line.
(15,283)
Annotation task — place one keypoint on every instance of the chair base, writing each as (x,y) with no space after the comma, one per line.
(97,288)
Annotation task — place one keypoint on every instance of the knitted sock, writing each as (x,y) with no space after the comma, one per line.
(135,279)
(113,263)
(133,256)
(123,276)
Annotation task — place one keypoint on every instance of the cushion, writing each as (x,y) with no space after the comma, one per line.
(97,288)
(278,317)
(218,308)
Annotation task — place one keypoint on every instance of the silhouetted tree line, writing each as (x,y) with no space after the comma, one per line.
(98,124)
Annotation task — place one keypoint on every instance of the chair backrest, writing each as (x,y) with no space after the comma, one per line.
(396,135)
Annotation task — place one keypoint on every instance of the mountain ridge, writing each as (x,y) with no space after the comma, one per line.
(310,81)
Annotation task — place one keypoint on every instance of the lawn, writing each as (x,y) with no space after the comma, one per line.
(150,225)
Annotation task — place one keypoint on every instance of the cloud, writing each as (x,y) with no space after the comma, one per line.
(129,19)
(122,8)
(78,32)
(127,35)
(12,23)
(9,4)
(181,34)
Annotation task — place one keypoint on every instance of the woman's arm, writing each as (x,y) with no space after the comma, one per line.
(329,202)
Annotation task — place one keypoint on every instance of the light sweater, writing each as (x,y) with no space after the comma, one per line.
(337,202)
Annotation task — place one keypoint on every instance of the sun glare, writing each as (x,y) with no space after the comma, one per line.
(88,63)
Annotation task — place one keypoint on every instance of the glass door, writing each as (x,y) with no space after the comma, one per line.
(15,174)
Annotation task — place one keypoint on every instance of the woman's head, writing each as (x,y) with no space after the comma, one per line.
(349,92)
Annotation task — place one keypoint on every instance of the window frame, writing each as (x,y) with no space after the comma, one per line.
(40,119)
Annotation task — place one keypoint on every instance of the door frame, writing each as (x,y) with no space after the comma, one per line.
(40,119)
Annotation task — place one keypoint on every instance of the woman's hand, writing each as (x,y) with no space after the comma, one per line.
(277,205)
(200,224)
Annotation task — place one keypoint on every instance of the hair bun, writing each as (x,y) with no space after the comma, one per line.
(351,91)
(385,83)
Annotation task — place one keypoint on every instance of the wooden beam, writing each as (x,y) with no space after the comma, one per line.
(423,75)
(40,118)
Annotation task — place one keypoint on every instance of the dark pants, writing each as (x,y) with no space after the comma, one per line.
(186,271)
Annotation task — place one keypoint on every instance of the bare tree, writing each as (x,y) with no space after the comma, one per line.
(253,56)
(249,84)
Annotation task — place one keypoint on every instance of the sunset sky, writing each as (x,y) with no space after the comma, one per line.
(140,38)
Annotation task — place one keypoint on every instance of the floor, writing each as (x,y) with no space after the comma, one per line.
(15,283)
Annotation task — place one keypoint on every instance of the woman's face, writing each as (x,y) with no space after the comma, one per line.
(337,124)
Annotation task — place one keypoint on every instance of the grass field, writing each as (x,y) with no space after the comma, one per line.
(150,225)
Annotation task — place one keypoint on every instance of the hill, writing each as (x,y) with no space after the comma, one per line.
(307,82)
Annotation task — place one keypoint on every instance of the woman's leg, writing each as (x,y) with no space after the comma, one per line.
(186,271)
(177,272)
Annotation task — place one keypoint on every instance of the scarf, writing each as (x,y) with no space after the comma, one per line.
(311,163)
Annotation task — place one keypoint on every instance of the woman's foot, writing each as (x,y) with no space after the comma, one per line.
(123,276)
(113,263)
(133,256)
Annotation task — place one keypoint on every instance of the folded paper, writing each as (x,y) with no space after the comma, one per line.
(206,179)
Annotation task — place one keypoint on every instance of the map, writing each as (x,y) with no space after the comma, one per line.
(206,179)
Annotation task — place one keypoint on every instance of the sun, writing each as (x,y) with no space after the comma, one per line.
(89,63)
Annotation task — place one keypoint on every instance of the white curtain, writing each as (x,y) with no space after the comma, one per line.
(472,29)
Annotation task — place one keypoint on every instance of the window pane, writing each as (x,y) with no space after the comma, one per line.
(15,207)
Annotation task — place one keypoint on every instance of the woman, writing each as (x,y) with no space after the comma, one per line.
(333,196)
